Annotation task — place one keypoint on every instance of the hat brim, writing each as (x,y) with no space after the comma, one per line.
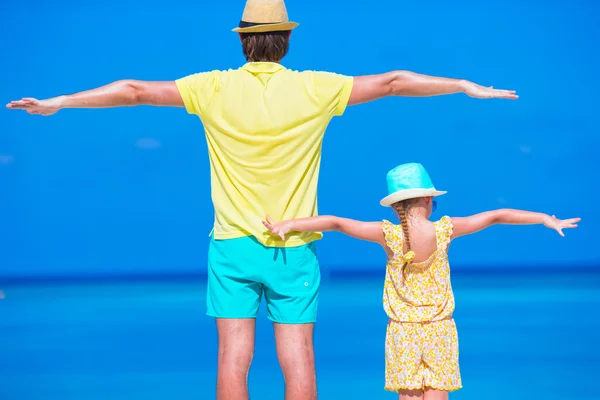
(282,26)
(409,194)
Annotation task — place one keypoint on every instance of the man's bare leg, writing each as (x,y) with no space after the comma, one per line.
(297,360)
(236,348)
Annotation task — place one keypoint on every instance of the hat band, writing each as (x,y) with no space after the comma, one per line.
(244,24)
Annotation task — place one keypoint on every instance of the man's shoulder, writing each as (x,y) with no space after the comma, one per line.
(319,79)
(217,72)
(307,73)
(214,77)
(313,72)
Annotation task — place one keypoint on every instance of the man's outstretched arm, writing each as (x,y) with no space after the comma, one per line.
(117,94)
(405,83)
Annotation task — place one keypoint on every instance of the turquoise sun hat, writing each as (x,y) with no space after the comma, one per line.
(408,181)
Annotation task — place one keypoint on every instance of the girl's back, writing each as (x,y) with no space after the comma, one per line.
(423,240)
(417,282)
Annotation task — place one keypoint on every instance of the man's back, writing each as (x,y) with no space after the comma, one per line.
(264,126)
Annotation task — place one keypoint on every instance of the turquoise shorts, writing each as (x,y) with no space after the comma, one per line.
(241,270)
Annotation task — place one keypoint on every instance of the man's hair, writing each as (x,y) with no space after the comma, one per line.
(265,47)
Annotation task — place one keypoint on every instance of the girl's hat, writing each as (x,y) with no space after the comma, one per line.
(408,181)
(265,16)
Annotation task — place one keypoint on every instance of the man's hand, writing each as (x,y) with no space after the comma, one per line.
(34,106)
(482,92)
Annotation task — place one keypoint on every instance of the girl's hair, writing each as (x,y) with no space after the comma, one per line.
(401,208)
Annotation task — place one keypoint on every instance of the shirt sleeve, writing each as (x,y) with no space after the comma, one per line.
(334,91)
(196,90)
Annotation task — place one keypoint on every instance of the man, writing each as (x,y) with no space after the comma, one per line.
(264,125)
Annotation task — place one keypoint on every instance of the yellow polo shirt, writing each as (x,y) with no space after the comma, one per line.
(264,125)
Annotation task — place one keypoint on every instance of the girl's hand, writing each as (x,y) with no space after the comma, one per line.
(278,228)
(559,224)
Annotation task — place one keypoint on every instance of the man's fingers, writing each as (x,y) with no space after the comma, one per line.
(490,92)
(20,104)
(23,103)
(507,94)
(502,90)
(270,220)
(504,94)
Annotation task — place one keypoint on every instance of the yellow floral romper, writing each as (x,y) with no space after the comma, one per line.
(421,342)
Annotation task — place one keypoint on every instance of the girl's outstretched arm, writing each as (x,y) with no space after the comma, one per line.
(369,231)
(467,225)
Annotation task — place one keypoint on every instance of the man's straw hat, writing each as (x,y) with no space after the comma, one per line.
(265,16)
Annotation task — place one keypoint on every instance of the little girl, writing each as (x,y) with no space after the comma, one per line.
(421,341)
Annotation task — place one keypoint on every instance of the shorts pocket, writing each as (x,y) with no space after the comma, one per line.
(297,270)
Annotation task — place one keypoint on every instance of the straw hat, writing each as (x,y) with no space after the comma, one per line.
(408,181)
(265,16)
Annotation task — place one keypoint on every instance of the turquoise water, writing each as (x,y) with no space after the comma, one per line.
(521,336)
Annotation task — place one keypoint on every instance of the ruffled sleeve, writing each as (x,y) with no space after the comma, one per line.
(393,240)
(444,232)
(391,235)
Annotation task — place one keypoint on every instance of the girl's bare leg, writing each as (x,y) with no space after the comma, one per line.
(433,394)
(410,394)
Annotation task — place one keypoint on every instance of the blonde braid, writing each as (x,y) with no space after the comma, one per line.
(401,210)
